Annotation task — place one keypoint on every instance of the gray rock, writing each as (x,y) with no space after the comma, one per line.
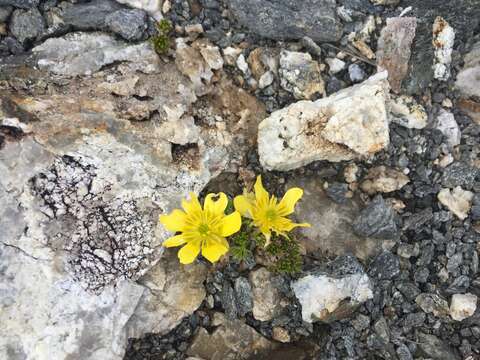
(408,289)
(432,304)
(86,53)
(311,46)
(356,73)
(446,123)
(129,24)
(300,75)
(243,296)
(435,348)
(89,15)
(228,301)
(27,25)
(386,266)
(459,174)
(468,78)
(328,297)
(404,353)
(267,299)
(22,4)
(289,19)
(331,232)
(377,219)
(5,13)
(337,192)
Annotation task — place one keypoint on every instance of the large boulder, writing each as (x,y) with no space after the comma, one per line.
(289,19)
(81,190)
(349,124)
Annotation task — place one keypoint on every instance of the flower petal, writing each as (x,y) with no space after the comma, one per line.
(284,225)
(231,224)
(189,252)
(287,204)
(176,240)
(268,235)
(212,250)
(216,207)
(175,221)
(243,205)
(193,206)
(261,194)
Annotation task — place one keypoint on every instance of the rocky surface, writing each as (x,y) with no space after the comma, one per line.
(99,134)
(286,19)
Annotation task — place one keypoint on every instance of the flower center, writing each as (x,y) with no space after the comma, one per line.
(203,229)
(271,214)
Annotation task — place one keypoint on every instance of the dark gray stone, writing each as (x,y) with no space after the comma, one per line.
(337,192)
(459,174)
(385,267)
(377,220)
(409,290)
(243,295)
(228,301)
(129,24)
(435,348)
(289,19)
(311,46)
(27,25)
(89,16)
(463,16)
(5,13)
(403,353)
(459,285)
(22,4)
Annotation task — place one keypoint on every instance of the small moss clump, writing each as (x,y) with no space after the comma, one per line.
(162,42)
(284,252)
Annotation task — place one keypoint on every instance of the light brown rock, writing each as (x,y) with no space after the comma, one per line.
(458,201)
(267,299)
(384,180)
(393,51)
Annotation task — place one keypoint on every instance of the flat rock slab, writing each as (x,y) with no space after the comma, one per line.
(332,223)
(289,19)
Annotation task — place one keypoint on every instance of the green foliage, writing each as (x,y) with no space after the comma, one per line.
(286,251)
(283,251)
(161,41)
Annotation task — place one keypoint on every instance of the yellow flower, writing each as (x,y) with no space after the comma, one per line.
(201,229)
(266,212)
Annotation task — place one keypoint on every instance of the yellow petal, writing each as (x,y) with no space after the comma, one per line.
(216,207)
(261,194)
(176,240)
(267,234)
(175,221)
(193,206)
(212,250)
(287,204)
(231,224)
(284,225)
(243,205)
(189,252)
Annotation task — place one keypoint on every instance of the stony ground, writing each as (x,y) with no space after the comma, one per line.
(371,106)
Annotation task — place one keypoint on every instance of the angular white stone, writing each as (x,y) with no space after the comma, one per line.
(153,7)
(447,124)
(321,295)
(458,201)
(405,111)
(349,124)
(443,40)
(463,306)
